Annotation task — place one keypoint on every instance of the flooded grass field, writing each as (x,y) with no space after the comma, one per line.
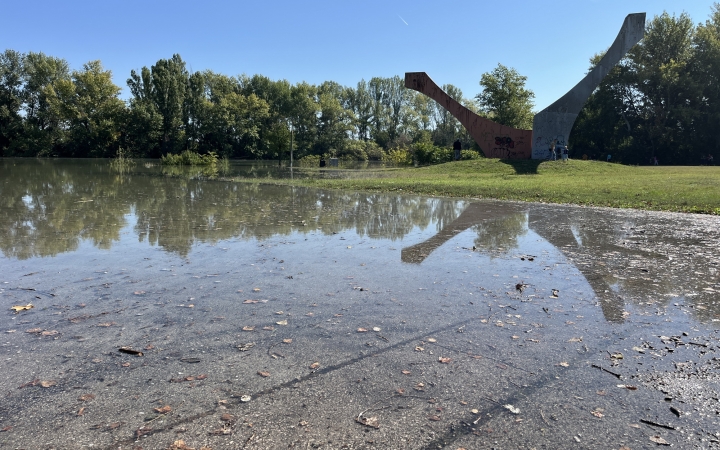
(156,309)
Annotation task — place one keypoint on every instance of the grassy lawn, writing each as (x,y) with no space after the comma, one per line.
(667,188)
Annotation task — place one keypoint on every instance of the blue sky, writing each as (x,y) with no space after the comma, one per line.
(454,41)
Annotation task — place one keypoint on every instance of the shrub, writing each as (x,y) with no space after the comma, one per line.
(399,156)
(310,161)
(374,151)
(188,158)
(352,150)
(427,153)
(122,162)
(469,154)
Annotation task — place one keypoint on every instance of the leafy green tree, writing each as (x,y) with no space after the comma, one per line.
(389,98)
(660,66)
(380,122)
(334,122)
(505,99)
(361,104)
(608,121)
(143,123)
(705,71)
(43,131)
(91,110)
(303,113)
(169,84)
(11,79)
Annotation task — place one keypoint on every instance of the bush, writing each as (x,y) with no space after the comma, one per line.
(427,153)
(374,151)
(122,162)
(399,156)
(469,154)
(310,161)
(352,151)
(188,158)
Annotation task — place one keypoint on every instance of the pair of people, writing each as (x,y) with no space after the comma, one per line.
(555,149)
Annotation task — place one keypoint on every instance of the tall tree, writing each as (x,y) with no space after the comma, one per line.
(169,81)
(334,121)
(660,66)
(143,123)
(705,70)
(11,122)
(303,111)
(505,99)
(361,104)
(93,111)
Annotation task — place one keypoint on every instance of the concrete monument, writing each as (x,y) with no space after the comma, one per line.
(552,123)
(556,121)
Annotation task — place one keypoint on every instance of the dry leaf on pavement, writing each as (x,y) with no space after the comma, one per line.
(371,422)
(19,308)
(659,440)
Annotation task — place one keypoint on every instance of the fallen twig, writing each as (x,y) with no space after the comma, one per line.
(543,418)
(606,370)
(655,424)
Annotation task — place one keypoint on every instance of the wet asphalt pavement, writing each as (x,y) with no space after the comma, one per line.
(500,325)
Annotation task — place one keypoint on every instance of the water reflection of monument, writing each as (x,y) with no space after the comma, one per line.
(499,226)
(561,236)
(476,214)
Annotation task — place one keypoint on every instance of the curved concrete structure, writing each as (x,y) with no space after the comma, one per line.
(556,121)
(552,123)
(495,140)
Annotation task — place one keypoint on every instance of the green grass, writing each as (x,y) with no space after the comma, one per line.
(666,188)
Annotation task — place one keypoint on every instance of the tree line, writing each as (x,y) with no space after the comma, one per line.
(661,101)
(48,110)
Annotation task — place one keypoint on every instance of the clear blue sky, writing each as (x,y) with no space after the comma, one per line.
(454,41)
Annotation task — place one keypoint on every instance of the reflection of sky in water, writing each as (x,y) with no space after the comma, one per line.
(27,199)
(576,234)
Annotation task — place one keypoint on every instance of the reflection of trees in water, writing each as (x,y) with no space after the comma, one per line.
(47,208)
(500,233)
(67,201)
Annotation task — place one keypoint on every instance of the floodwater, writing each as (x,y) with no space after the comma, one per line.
(287,317)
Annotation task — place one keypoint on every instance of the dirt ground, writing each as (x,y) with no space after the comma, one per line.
(587,328)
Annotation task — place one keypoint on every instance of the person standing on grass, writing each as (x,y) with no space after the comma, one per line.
(553,155)
(564,152)
(457,146)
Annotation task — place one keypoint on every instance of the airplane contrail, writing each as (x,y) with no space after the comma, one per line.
(403,20)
